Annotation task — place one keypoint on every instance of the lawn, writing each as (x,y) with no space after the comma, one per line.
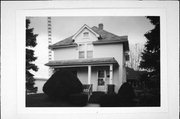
(42,100)
(97,99)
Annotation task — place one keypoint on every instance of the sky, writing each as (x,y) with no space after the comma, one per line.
(63,27)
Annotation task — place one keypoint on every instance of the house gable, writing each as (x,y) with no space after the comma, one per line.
(85,36)
(84,28)
(97,36)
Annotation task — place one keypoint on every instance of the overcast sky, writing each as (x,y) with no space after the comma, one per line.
(63,27)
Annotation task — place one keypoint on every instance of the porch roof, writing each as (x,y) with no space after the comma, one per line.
(82,62)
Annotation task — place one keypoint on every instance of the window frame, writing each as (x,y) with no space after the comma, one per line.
(89,56)
(82,55)
(83,47)
(86,35)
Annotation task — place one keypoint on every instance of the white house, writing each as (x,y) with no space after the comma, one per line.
(95,55)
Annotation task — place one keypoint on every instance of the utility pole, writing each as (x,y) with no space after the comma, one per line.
(50,54)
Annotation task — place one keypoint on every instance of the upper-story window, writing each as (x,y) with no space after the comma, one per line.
(85,34)
(85,50)
(89,50)
(81,54)
(89,54)
(81,51)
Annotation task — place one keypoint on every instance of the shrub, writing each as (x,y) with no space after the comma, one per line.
(126,95)
(62,84)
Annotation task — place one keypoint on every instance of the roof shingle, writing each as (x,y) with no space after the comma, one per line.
(105,38)
(80,62)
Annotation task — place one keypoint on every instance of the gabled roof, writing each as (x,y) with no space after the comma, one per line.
(104,37)
(110,38)
(68,42)
(82,62)
(84,26)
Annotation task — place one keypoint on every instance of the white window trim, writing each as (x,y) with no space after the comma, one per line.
(85,37)
(85,50)
(79,54)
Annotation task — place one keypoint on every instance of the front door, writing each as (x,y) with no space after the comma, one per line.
(102,80)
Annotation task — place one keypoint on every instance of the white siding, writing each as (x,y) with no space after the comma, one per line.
(80,38)
(109,50)
(83,75)
(116,51)
(65,53)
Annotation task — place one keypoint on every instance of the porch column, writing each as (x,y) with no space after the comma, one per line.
(89,74)
(111,74)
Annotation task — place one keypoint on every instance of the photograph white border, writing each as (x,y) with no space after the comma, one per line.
(101,9)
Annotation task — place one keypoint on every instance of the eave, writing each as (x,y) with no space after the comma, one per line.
(104,42)
(82,62)
(52,47)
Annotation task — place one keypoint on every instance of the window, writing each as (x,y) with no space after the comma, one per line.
(101,82)
(89,54)
(81,54)
(85,50)
(107,74)
(86,34)
(89,50)
(101,73)
(81,50)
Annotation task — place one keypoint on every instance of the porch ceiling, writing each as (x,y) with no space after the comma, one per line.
(82,62)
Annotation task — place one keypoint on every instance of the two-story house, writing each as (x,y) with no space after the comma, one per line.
(95,55)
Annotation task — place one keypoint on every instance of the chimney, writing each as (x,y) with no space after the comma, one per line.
(101,26)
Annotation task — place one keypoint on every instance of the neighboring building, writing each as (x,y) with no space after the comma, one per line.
(135,78)
(96,56)
(39,83)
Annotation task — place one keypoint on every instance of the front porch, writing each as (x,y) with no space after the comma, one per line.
(95,73)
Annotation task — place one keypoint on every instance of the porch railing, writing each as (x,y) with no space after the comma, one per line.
(87,89)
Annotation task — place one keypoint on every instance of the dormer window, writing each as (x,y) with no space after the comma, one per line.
(86,34)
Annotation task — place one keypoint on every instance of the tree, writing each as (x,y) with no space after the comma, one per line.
(151,54)
(30,58)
